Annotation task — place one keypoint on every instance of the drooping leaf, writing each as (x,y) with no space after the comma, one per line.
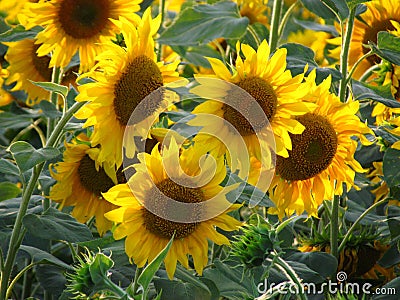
(317,27)
(203,23)
(18,33)
(388,47)
(56,225)
(314,260)
(382,94)
(391,161)
(43,257)
(8,190)
(14,121)
(27,157)
(7,167)
(318,8)
(338,6)
(52,87)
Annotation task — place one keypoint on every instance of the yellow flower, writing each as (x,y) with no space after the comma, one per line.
(377,18)
(122,79)
(271,85)
(254,10)
(80,182)
(380,111)
(5,97)
(30,68)
(148,222)
(12,8)
(322,158)
(72,26)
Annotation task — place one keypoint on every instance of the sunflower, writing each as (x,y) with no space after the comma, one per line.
(322,157)
(270,84)
(377,17)
(122,79)
(80,182)
(254,10)
(76,25)
(12,8)
(25,66)
(141,216)
(391,76)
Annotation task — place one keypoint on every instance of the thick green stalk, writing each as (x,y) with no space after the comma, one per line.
(162,12)
(335,226)
(18,231)
(275,20)
(344,55)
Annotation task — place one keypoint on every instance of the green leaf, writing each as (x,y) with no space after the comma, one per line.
(318,8)
(317,27)
(42,257)
(49,110)
(180,290)
(98,269)
(388,47)
(7,167)
(382,94)
(391,162)
(8,190)
(56,225)
(196,54)
(392,291)
(297,58)
(53,87)
(314,260)
(203,23)
(10,120)
(186,276)
(148,273)
(27,157)
(338,6)
(52,279)
(18,33)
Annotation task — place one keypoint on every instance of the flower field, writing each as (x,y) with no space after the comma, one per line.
(216,149)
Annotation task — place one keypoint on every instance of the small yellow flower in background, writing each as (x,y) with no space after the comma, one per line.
(26,66)
(5,97)
(322,158)
(12,8)
(380,111)
(254,10)
(147,233)
(123,78)
(72,26)
(80,182)
(266,79)
(377,18)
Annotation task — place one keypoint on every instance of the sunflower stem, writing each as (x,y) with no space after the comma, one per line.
(344,55)
(351,229)
(132,288)
(356,65)
(290,274)
(286,17)
(335,226)
(18,230)
(254,35)
(369,72)
(275,20)
(162,12)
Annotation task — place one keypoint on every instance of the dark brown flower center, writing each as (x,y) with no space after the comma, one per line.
(41,64)
(247,110)
(95,181)
(312,151)
(141,77)
(371,34)
(83,19)
(165,228)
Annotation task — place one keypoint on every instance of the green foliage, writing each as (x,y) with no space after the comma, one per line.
(203,23)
